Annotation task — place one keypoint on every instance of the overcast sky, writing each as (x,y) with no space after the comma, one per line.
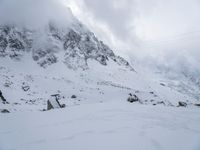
(162,29)
(150,19)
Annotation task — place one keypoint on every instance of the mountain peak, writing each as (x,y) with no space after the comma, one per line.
(75,43)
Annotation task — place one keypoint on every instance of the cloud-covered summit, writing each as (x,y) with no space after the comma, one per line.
(34,13)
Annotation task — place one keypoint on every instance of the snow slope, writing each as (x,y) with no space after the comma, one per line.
(27,86)
(61,56)
(111,125)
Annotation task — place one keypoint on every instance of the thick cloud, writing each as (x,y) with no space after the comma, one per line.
(156,31)
(34,13)
(118,15)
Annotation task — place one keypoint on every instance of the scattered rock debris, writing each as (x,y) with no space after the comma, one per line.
(132,98)
(25,87)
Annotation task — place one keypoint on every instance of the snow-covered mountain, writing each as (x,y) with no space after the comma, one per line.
(30,57)
(59,55)
(69,59)
(184,81)
(75,42)
(182,76)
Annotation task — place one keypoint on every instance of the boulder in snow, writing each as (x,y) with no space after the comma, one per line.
(53,102)
(132,98)
(73,96)
(162,84)
(182,104)
(5,111)
(197,105)
(2,97)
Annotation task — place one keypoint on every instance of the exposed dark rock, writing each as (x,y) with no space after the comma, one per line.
(197,105)
(79,45)
(5,102)
(54,102)
(73,96)
(25,88)
(63,105)
(3,44)
(182,104)
(2,97)
(123,62)
(16,44)
(102,59)
(162,84)
(48,60)
(5,111)
(132,98)
(49,105)
(39,53)
(72,40)
(16,103)
(13,41)
(8,83)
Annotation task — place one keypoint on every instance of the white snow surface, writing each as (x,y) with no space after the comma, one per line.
(100,117)
(113,125)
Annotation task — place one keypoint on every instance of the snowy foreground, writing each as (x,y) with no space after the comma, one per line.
(110,125)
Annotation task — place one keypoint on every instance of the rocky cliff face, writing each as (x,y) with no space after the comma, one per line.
(75,44)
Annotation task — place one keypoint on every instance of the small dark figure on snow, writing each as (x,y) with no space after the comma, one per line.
(2,97)
(132,98)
